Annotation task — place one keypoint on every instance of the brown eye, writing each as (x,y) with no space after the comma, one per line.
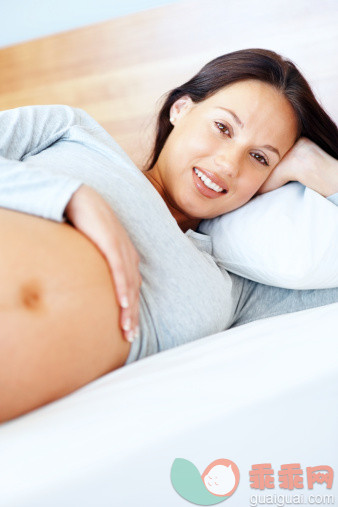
(262,158)
(221,127)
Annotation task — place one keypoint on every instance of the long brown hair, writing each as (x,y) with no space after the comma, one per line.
(264,65)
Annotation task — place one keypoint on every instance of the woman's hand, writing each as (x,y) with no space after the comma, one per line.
(92,215)
(307,163)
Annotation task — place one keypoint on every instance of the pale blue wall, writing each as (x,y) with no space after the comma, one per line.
(22,20)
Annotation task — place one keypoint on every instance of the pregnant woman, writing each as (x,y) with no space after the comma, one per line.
(119,271)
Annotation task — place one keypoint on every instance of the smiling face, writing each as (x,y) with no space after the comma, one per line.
(232,152)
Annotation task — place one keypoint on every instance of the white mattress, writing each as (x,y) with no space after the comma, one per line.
(265,392)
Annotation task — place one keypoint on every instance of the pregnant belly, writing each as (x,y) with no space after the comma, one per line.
(59,315)
(44,262)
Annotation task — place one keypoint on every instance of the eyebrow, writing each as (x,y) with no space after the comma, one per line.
(241,124)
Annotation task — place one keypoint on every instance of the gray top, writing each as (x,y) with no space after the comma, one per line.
(47,152)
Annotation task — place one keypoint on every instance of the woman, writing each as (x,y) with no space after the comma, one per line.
(245,124)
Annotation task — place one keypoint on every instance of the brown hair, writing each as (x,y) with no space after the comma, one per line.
(264,65)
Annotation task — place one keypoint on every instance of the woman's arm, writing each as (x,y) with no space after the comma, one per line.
(308,164)
(33,191)
(316,169)
(25,132)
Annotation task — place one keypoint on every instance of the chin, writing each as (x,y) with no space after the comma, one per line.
(189,209)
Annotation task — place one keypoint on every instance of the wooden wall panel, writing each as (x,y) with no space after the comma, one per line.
(118,70)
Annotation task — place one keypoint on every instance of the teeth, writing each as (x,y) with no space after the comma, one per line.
(207,182)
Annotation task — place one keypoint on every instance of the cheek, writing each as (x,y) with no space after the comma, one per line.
(192,142)
(249,184)
(253,180)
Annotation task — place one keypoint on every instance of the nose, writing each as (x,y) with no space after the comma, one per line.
(228,162)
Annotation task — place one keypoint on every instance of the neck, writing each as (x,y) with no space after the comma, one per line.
(183,221)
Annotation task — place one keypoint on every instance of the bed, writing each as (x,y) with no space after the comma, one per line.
(264,392)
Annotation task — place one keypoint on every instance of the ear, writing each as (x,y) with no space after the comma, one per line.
(180,107)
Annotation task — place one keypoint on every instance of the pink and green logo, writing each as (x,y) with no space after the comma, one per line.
(217,483)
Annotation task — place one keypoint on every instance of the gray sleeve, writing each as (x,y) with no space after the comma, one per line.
(24,132)
(333,198)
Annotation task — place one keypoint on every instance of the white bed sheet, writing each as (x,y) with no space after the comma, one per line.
(265,392)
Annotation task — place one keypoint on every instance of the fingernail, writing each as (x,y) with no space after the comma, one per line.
(130,336)
(126,324)
(137,332)
(124,302)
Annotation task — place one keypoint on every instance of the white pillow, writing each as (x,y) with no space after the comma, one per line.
(287,238)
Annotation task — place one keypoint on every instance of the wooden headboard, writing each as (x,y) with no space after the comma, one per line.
(118,70)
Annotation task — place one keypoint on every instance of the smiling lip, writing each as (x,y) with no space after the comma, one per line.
(216,179)
(204,190)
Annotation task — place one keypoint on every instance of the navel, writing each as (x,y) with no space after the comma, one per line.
(31,295)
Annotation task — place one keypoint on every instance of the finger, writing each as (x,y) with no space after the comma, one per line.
(123,292)
(136,313)
(124,296)
(134,280)
(130,318)
(117,265)
(126,324)
(120,261)
(124,302)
